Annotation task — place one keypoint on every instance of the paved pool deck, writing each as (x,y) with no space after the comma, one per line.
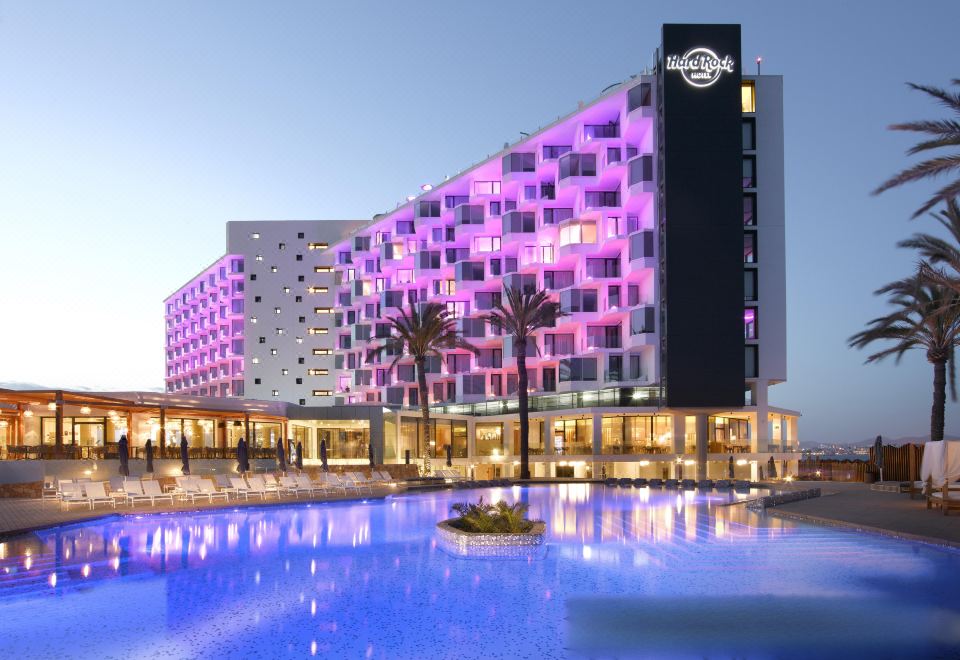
(855,506)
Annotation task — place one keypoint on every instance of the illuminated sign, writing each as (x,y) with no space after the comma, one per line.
(700,67)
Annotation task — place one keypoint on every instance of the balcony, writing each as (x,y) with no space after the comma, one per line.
(469,214)
(519,222)
(642,245)
(640,174)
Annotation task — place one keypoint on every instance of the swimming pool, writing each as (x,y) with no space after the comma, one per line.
(626,573)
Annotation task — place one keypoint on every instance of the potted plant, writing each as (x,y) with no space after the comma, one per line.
(486,529)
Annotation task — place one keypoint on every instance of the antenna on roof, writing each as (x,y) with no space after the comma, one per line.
(524,134)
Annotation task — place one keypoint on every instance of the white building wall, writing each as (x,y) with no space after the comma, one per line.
(280,267)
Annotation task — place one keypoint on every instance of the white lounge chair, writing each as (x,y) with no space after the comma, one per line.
(288,484)
(151,489)
(242,489)
(258,485)
(334,482)
(71,493)
(96,494)
(207,488)
(308,485)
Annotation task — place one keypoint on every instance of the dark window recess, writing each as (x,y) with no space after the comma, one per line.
(519,222)
(572,369)
(599,198)
(453,255)
(469,214)
(453,201)
(299,381)
(494,208)
(641,245)
(256,381)
(495,267)
(299,257)
(609,130)
(751,361)
(642,321)
(749,171)
(300,234)
(405,227)
(361,243)
(749,247)
(749,134)
(548,191)
(256,299)
(750,284)
(428,260)
(426,210)
(749,209)
(556,216)
(606,267)
(510,265)
(557,279)
(519,162)
(578,165)
(639,96)
(551,152)
(641,170)
(750,323)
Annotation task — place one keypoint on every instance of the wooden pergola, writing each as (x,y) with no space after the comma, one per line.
(15,404)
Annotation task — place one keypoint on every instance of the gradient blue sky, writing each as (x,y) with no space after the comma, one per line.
(131,132)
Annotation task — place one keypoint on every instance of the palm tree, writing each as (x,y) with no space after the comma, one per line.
(926,316)
(943,133)
(941,251)
(422,333)
(526,312)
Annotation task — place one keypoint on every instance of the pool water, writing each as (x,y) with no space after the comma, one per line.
(626,573)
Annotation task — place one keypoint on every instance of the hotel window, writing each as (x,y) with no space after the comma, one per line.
(519,162)
(255,235)
(495,267)
(256,381)
(300,234)
(578,232)
(301,319)
(578,165)
(486,187)
(256,299)
(323,351)
(494,208)
(546,254)
(457,309)
(551,152)
(749,247)
(273,269)
(322,310)
(750,209)
(486,244)
(300,360)
(259,257)
(282,246)
(750,323)
(276,310)
(322,393)
(749,171)
(253,319)
(323,269)
(573,369)
(300,279)
(273,351)
(748,96)
(749,134)
(318,289)
(319,372)
(404,227)
(284,372)
(299,340)
(751,360)
(750,284)
(262,340)
(299,257)
(317,246)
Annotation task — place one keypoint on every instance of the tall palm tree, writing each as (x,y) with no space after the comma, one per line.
(421,333)
(942,134)
(926,316)
(526,312)
(941,252)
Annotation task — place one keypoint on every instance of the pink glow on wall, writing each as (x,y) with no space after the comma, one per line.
(204,332)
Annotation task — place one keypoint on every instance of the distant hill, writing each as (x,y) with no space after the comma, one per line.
(905,440)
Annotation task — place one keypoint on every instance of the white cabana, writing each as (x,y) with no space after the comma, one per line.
(941,462)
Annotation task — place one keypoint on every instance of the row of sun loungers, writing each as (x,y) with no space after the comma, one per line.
(220,488)
(682,484)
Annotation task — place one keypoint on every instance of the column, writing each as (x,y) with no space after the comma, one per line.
(509,427)
(703,443)
(760,438)
(246,430)
(163,432)
(679,432)
(58,423)
(20,429)
(597,444)
(547,436)
(471,439)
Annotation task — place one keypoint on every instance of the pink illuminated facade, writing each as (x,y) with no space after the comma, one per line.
(204,330)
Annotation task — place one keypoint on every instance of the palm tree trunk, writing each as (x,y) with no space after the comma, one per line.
(424,408)
(937,414)
(520,346)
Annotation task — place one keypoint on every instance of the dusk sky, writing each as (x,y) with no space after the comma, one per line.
(130,133)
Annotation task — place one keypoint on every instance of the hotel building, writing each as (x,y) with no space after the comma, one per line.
(654,216)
